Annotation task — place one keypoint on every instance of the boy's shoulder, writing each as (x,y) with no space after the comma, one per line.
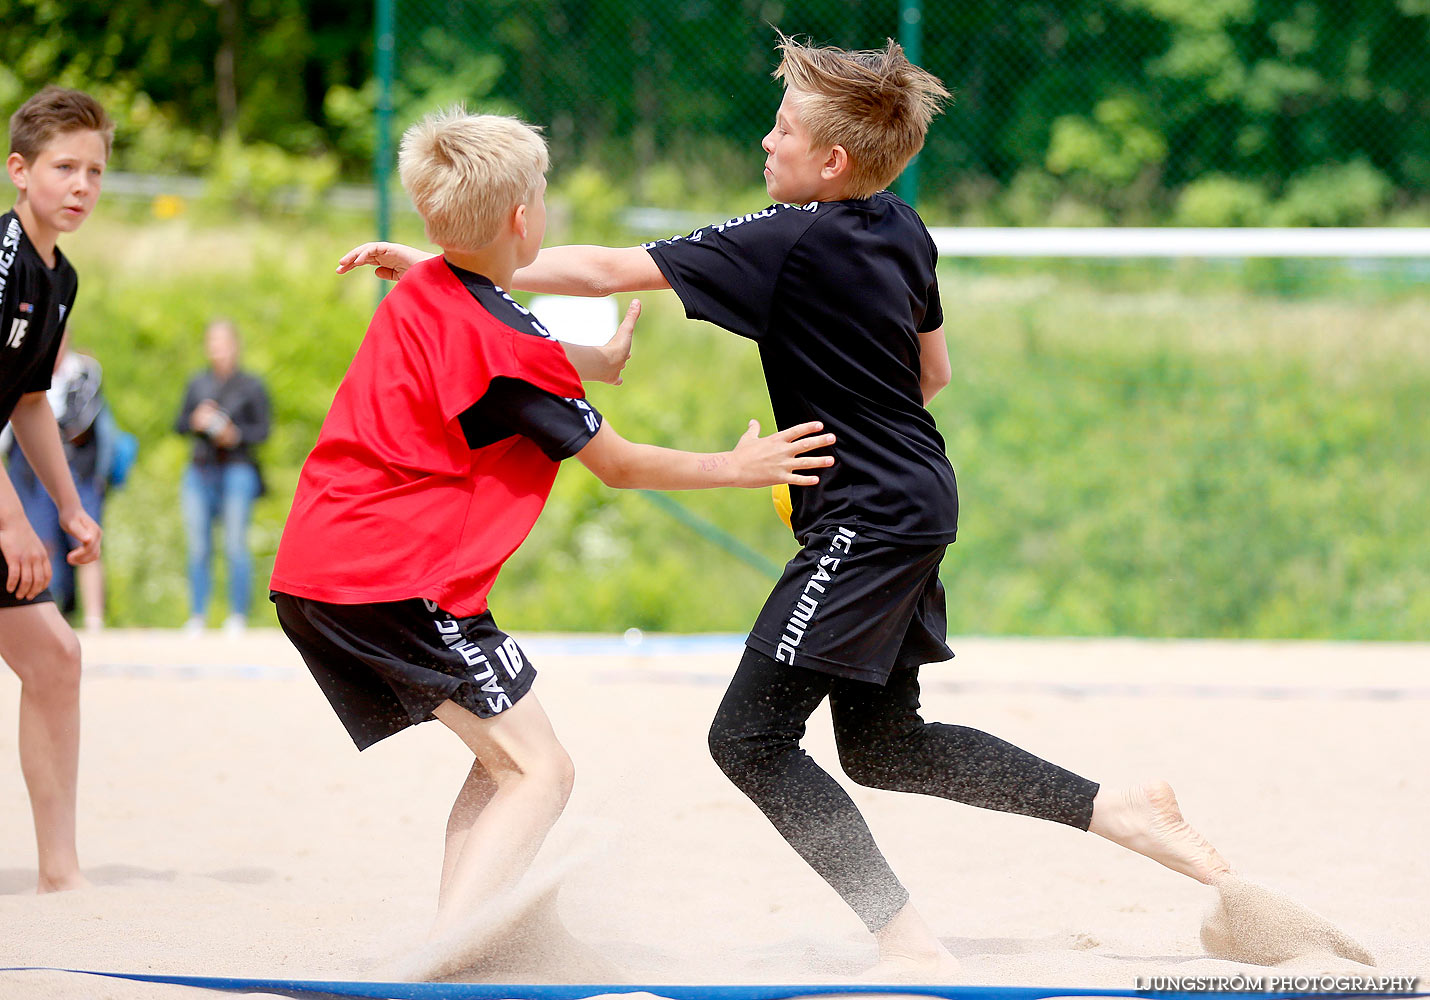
(11,236)
(792,223)
(778,220)
(436,286)
(20,263)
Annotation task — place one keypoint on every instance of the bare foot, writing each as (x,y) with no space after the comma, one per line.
(909,953)
(65,883)
(1146,819)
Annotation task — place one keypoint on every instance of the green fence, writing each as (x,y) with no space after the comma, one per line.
(1201,111)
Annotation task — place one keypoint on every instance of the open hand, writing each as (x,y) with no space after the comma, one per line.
(779,457)
(391,260)
(617,351)
(604,362)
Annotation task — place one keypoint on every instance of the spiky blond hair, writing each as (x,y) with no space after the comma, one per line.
(466,172)
(874,103)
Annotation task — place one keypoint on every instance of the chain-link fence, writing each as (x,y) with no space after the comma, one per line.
(1207,111)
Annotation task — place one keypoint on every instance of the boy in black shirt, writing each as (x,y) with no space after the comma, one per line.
(59,146)
(836,284)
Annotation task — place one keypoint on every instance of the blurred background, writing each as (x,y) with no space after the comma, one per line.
(1161,447)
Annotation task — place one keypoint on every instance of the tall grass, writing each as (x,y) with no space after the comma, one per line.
(1141,451)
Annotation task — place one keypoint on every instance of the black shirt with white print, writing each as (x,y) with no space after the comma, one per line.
(836,294)
(35,301)
(560,426)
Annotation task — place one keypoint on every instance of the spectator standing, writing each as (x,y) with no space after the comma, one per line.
(228,413)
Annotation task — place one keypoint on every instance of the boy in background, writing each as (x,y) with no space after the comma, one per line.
(59,146)
(836,284)
(436,457)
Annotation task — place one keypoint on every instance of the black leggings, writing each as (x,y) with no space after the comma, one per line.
(883,743)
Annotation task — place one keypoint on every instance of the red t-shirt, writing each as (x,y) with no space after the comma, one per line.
(392,502)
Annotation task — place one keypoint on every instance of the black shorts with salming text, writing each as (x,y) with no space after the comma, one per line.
(856,607)
(386,666)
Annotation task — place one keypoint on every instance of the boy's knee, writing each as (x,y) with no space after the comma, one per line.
(863,763)
(725,749)
(52,664)
(548,768)
(741,756)
(562,777)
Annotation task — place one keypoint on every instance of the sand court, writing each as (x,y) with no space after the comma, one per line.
(232,829)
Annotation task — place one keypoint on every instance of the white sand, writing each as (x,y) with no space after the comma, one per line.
(232,829)
(1250,922)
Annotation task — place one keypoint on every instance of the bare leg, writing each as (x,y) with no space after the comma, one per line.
(1146,819)
(89,578)
(42,649)
(532,778)
(477,790)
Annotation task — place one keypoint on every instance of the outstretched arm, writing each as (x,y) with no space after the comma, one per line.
(754,461)
(590,270)
(570,270)
(389,260)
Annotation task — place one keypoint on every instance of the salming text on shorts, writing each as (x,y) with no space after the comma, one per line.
(386,666)
(8,599)
(857,607)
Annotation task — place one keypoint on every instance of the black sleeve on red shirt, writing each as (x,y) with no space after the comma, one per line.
(560,426)
(727,274)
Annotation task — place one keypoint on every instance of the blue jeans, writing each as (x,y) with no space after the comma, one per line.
(208,493)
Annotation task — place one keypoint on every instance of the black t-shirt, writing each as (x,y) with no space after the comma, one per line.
(559,425)
(244,399)
(35,301)
(836,294)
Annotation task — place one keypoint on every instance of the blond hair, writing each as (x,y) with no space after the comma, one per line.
(465,173)
(874,103)
(56,111)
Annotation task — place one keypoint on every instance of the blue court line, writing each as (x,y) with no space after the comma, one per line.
(520,991)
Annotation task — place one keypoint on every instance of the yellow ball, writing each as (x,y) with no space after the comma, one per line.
(784,507)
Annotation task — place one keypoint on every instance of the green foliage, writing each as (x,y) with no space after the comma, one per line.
(1153,462)
(1348,194)
(1122,105)
(1218,200)
(262,177)
(1141,449)
(1116,145)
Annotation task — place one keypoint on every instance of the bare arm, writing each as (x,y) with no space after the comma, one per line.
(571,270)
(935,370)
(39,437)
(590,270)
(25,555)
(604,362)
(389,260)
(754,461)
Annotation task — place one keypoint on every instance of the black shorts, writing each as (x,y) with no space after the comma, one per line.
(386,666)
(8,599)
(856,607)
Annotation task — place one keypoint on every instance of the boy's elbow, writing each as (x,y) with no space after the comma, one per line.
(933,383)
(615,474)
